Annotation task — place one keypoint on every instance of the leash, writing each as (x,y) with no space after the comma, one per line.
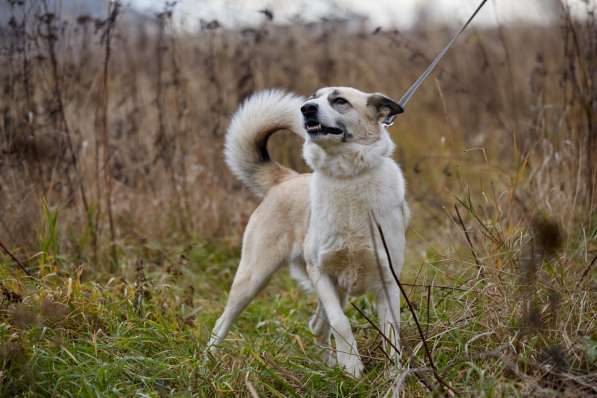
(411,91)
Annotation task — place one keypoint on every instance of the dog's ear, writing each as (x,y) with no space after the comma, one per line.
(385,108)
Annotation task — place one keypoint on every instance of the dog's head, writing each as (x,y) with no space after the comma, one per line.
(342,122)
(335,115)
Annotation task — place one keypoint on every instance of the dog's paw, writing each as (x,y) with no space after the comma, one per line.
(206,358)
(210,350)
(354,367)
(329,358)
(316,324)
(393,372)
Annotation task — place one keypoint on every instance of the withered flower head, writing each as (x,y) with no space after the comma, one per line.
(547,234)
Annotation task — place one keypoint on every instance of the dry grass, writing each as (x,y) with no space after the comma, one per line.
(112,182)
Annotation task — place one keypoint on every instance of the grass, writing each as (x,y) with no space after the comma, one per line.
(99,338)
(144,332)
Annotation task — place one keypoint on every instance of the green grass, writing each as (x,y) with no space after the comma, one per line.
(143,332)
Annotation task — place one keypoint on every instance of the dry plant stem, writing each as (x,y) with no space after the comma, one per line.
(113,10)
(428,305)
(182,131)
(488,232)
(21,34)
(381,274)
(16,260)
(165,146)
(381,333)
(160,66)
(586,272)
(468,240)
(585,93)
(434,286)
(294,381)
(487,58)
(380,344)
(57,89)
(514,109)
(439,379)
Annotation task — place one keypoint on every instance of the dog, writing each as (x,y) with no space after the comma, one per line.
(321,223)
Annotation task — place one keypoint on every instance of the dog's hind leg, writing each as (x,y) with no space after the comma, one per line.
(248,282)
(261,257)
(319,325)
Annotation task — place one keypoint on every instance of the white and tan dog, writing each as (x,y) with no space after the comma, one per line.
(320,223)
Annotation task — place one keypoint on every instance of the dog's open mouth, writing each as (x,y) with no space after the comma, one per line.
(314,127)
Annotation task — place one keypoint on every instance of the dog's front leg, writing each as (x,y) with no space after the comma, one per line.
(346,346)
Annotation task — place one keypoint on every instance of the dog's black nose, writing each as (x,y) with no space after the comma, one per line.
(309,109)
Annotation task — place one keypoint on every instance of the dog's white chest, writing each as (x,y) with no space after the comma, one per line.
(339,237)
(355,269)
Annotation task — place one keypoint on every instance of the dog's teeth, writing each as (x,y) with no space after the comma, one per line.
(315,128)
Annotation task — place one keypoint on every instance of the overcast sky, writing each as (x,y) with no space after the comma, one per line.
(398,13)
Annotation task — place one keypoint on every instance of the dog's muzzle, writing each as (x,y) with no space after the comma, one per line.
(312,124)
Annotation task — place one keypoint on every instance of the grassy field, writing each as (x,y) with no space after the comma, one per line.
(143,330)
(120,225)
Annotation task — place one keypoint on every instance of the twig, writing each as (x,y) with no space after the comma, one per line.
(435,286)
(514,99)
(439,379)
(113,10)
(16,260)
(586,272)
(294,382)
(468,239)
(587,98)
(428,305)
(421,378)
(395,320)
(381,333)
(488,232)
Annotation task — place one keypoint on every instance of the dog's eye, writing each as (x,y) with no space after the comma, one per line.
(339,101)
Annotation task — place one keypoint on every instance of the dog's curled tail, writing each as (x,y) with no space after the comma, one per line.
(260,116)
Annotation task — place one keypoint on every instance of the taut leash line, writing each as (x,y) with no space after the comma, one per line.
(411,91)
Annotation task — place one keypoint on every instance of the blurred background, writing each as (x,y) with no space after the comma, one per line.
(113,114)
